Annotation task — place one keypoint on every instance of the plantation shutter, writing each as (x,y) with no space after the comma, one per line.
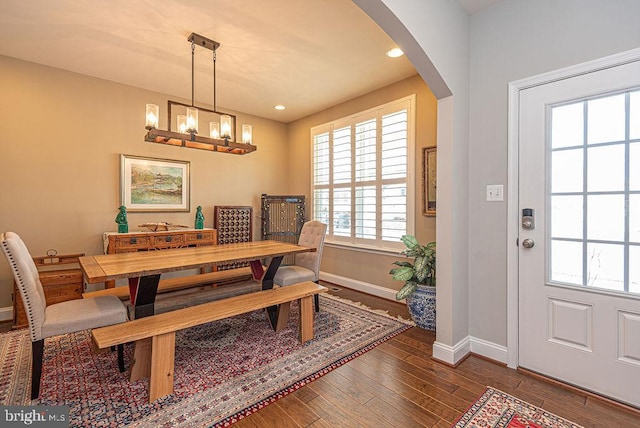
(362,169)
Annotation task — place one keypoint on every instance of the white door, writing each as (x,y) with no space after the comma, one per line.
(579,284)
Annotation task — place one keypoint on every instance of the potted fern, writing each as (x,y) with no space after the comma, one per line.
(419,278)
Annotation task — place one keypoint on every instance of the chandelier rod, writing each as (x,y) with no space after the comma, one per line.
(193,51)
(214,79)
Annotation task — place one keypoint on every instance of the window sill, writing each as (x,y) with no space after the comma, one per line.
(383,251)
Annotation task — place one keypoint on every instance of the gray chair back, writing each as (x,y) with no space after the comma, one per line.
(27,278)
(311,235)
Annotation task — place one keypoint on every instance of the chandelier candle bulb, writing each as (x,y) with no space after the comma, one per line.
(246,134)
(225,127)
(153,111)
(214,130)
(181,123)
(192,120)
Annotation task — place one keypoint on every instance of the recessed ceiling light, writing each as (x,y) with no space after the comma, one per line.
(395,53)
(279,107)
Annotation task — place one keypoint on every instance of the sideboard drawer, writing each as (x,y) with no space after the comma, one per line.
(131,242)
(167,240)
(195,237)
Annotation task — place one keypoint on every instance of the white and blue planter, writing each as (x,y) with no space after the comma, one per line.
(422,306)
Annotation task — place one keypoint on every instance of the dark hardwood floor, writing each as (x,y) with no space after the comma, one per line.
(398,384)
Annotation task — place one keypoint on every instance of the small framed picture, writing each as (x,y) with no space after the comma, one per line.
(429,184)
(154,185)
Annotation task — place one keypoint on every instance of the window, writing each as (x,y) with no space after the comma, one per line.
(595,192)
(363,183)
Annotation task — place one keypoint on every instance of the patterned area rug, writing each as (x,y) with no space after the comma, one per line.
(498,409)
(224,370)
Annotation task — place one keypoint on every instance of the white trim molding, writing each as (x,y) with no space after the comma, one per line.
(489,350)
(354,284)
(452,354)
(6,314)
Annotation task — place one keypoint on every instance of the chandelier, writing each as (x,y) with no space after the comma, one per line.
(222,126)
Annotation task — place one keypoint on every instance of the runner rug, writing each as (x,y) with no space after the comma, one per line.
(224,370)
(498,409)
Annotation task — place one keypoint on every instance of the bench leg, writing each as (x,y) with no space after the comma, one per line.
(306,318)
(283,316)
(163,351)
(141,365)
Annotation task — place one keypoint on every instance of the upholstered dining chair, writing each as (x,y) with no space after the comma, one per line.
(57,319)
(306,266)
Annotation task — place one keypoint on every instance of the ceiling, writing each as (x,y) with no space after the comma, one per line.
(306,55)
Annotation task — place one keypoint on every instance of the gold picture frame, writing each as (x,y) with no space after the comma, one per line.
(429,180)
(154,185)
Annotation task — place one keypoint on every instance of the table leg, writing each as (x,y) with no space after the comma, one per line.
(273,312)
(267,279)
(142,293)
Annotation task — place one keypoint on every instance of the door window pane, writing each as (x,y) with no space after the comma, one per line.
(566,171)
(634,116)
(634,221)
(605,217)
(606,119)
(634,166)
(605,168)
(567,126)
(634,269)
(605,266)
(566,216)
(566,262)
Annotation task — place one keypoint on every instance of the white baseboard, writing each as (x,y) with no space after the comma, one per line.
(6,314)
(489,350)
(365,287)
(448,354)
(452,354)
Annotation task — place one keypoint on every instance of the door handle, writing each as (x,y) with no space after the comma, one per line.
(528,243)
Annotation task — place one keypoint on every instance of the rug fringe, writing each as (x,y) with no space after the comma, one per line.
(365,307)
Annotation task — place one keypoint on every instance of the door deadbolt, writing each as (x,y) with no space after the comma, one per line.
(528,219)
(528,243)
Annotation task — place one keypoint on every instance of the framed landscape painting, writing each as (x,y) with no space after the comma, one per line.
(429,174)
(150,184)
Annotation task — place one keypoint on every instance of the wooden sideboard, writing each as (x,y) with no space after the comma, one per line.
(61,281)
(161,240)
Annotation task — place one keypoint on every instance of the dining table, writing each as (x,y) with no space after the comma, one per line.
(144,268)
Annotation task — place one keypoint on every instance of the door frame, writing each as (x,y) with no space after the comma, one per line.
(513,216)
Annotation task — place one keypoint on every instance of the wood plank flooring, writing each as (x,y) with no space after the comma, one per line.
(398,384)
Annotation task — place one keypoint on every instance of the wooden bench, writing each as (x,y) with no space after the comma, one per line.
(180,283)
(155,335)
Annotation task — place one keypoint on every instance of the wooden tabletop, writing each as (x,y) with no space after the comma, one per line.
(107,267)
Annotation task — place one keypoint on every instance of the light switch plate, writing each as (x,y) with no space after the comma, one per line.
(495,193)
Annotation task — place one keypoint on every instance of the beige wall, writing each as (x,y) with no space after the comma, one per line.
(62,134)
(367,267)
